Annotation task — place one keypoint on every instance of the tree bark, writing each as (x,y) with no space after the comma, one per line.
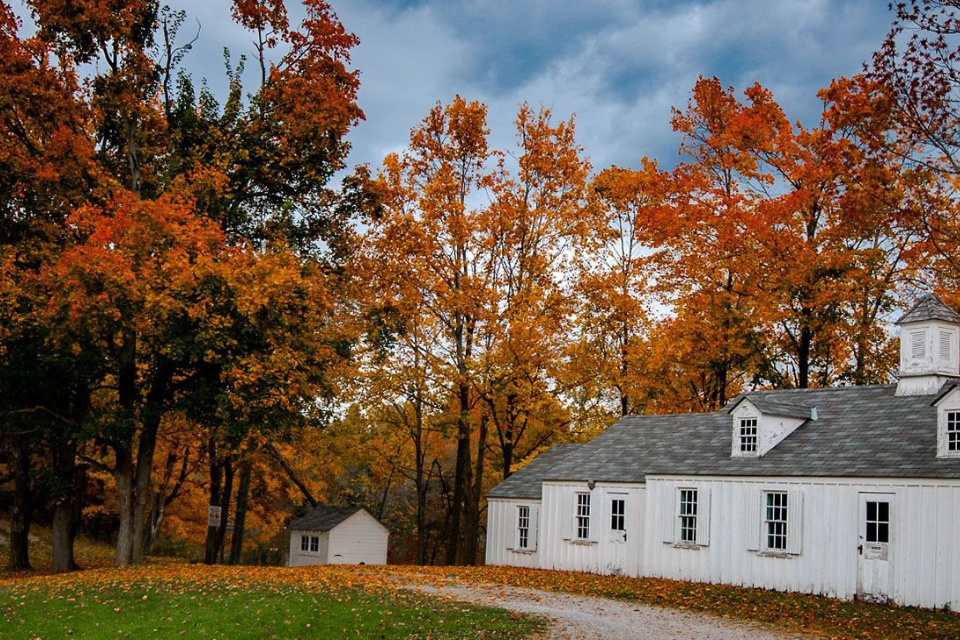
(472,529)
(216,482)
(294,477)
(239,522)
(123,477)
(68,506)
(461,480)
(225,498)
(21,512)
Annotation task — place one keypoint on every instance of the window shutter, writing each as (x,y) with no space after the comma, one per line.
(794,521)
(753,518)
(670,517)
(595,521)
(703,516)
(569,514)
(515,538)
(534,534)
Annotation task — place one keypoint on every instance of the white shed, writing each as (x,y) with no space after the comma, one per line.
(850,492)
(331,534)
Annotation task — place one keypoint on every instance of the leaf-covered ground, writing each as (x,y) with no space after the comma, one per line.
(173,601)
(228,598)
(790,612)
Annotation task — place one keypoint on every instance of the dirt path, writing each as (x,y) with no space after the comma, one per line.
(589,618)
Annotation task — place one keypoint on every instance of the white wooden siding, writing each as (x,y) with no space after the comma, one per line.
(501,531)
(300,558)
(925,556)
(605,551)
(359,539)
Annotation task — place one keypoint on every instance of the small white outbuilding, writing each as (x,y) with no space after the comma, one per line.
(331,534)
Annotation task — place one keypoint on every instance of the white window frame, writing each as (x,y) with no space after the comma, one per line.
(687,515)
(948,426)
(581,521)
(776,521)
(304,543)
(743,445)
(678,522)
(523,527)
(618,518)
(757,528)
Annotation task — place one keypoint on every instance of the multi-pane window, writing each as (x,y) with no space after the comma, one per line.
(583,516)
(618,509)
(953,431)
(878,521)
(775,520)
(688,515)
(748,435)
(310,543)
(523,527)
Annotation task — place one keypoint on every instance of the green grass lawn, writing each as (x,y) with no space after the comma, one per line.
(156,609)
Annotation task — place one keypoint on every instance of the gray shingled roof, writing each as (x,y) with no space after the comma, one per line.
(772,407)
(929,307)
(527,483)
(323,517)
(860,432)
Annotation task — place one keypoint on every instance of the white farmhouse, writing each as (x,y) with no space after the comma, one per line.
(850,492)
(331,534)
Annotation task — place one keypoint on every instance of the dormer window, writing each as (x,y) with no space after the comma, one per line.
(948,424)
(748,435)
(952,432)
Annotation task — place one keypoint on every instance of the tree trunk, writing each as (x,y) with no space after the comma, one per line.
(803,357)
(461,481)
(225,498)
(472,528)
(239,522)
(68,506)
(216,482)
(21,512)
(123,472)
(123,476)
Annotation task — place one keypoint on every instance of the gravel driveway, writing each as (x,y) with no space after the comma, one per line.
(589,618)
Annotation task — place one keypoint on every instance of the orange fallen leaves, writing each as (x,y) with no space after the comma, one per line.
(818,616)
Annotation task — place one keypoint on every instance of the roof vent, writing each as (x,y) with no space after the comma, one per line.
(929,347)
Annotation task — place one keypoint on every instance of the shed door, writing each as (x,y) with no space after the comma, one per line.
(617,547)
(875,547)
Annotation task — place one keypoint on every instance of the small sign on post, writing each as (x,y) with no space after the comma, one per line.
(213,516)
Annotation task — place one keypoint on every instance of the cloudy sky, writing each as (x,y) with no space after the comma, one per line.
(618,65)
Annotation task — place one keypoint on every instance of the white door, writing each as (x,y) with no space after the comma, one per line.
(617,539)
(875,547)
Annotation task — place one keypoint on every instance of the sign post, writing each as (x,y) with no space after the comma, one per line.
(213,516)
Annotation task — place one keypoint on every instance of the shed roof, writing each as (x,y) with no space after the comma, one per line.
(323,517)
(860,432)
(929,307)
(527,483)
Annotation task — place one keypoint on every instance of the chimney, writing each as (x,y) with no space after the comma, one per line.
(929,347)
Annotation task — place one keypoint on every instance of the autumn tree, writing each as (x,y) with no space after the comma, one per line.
(916,71)
(794,218)
(428,239)
(536,224)
(178,193)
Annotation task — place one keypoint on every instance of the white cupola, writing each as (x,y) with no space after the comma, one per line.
(929,347)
